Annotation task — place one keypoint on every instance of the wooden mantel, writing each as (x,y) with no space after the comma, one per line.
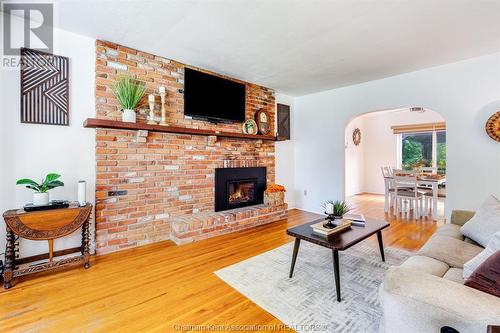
(103,123)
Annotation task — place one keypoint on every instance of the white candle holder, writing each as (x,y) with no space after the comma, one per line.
(151,117)
(163,121)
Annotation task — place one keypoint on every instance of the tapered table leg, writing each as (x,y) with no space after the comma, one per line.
(336,272)
(381,245)
(10,256)
(294,256)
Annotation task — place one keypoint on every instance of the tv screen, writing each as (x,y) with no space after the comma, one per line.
(211,97)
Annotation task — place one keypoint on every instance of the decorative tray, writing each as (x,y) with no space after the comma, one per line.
(54,204)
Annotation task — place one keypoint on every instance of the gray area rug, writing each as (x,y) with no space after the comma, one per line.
(307,302)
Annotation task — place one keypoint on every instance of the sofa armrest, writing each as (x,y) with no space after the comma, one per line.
(415,301)
(459,217)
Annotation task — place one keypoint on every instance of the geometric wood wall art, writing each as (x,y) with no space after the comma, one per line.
(283,121)
(44,88)
(492,126)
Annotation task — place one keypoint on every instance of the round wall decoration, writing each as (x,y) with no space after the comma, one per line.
(249,127)
(356,136)
(263,121)
(493,126)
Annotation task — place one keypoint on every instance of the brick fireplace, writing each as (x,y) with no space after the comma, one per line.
(153,186)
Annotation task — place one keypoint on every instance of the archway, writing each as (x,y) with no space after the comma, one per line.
(403,138)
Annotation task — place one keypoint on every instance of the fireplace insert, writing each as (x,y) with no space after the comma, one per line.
(239,187)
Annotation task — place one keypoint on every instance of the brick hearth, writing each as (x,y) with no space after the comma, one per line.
(191,228)
(148,182)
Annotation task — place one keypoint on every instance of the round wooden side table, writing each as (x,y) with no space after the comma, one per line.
(44,225)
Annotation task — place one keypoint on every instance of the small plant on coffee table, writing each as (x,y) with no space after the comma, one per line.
(339,207)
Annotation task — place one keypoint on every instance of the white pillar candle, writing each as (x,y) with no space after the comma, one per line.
(161,90)
(151,98)
(82,193)
(329,208)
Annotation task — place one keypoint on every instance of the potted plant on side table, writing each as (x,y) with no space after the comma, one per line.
(41,194)
(129,93)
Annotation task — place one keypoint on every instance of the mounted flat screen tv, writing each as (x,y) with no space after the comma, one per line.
(213,98)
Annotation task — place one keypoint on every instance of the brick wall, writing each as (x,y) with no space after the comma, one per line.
(115,60)
(144,180)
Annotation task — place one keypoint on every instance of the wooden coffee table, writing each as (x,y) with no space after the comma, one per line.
(338,242)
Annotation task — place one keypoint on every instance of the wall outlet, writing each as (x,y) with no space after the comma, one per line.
(305,192)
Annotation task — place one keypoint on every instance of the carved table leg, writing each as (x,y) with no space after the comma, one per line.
(85,244)
(9,259)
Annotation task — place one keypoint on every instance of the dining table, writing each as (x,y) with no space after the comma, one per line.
(422,182)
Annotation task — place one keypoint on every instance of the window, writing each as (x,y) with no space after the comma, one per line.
(424,149)
(417,150)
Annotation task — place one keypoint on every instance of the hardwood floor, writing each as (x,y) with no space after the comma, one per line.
(161,287)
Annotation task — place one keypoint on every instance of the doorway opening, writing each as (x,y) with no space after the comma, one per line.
(407,139)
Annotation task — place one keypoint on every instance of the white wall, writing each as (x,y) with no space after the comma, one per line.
(355,158)
(285,157)
(32,151)
(378,147)
(465,93)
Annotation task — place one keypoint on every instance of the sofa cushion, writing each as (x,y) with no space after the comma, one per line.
(450,230)
(487,276)
(426,264)
(473,264)
(481,227)
(454,274)
(451,251)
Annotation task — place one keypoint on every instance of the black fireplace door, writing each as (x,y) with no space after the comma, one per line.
(239,187)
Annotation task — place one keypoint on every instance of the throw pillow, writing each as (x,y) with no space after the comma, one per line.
(481,227)
(487,276)
(492,247)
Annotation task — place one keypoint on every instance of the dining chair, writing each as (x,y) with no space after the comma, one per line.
(406,192)
(386,171)
(401,172)
(389,187)
(427,189)
(423,189)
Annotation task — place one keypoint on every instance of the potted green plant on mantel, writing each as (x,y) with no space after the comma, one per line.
(337,208)
(41,194)
(129,93)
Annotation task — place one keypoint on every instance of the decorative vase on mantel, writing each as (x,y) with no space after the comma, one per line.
(128,116)
(129,92)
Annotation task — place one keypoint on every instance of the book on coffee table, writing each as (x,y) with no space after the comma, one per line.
(357,219)
(319,229)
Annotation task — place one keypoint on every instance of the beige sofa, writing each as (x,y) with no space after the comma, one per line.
(427,292)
